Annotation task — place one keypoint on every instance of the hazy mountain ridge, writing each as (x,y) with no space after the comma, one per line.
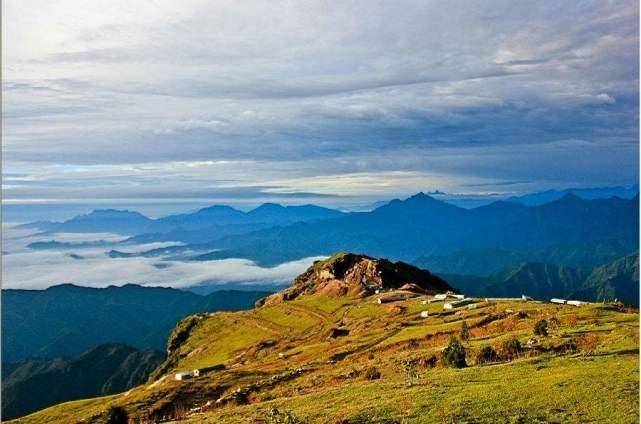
(422,225)
(487,261)
(533,199)
(211,218)
(66,320)
(618,279)
(34,384)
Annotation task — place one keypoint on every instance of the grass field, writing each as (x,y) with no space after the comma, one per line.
(585,370)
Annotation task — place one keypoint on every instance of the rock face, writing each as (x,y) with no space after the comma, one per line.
(348,274)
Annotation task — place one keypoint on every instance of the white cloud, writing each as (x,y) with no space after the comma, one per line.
(268,84)
(37,269)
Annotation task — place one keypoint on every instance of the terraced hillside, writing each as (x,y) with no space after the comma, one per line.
(345,360)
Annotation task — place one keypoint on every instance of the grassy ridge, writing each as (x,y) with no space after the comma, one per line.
(596,380)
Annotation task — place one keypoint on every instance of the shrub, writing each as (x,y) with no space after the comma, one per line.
(465,331)
(116,415)
(413,344)
(541,328)
(409,368)
(275,416)
(240,397)
(568,346)
(372,373)
(554,323)
(454,354)
(486,355)
(429,362)
(511,348)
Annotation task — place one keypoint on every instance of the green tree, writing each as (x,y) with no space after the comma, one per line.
(511,348)
(465,331)
(541,328)
(486,355)
(454,354)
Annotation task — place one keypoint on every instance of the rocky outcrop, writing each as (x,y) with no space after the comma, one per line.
(348,274)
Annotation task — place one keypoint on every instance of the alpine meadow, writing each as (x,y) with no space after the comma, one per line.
(320,212)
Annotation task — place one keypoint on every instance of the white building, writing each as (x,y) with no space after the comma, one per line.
(184,375)
(438,297)
(503,299)
(458,303)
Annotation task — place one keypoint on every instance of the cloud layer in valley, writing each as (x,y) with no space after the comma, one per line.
(24,268)
(302,101)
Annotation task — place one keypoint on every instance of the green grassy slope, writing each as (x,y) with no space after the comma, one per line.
(284,357)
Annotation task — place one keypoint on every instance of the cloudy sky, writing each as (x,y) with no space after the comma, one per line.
(338,103)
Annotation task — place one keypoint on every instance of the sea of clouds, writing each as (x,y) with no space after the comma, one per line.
(25,268)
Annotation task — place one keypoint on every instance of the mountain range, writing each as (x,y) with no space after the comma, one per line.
(569,232)
(616,280)
(423,226)
(66,320)
(534,199)
(210,219)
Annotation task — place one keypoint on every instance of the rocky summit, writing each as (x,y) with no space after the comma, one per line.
(348,274)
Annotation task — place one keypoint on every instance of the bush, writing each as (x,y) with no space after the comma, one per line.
(116,415)
(429,362)
(465,331)
(409,368)
(568,346)
(275,416)
(554,323)
(454,354)
(240,397)
(487,355)
(511,348)
(413,344)
(522,315)
(541,328)
(372,373)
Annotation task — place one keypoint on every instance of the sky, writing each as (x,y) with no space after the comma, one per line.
(335,103)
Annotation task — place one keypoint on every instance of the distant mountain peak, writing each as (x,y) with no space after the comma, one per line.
(268,207)
(349,274)
(112,212)
(568,199)
(419,196)
(219,208)
(590,193)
